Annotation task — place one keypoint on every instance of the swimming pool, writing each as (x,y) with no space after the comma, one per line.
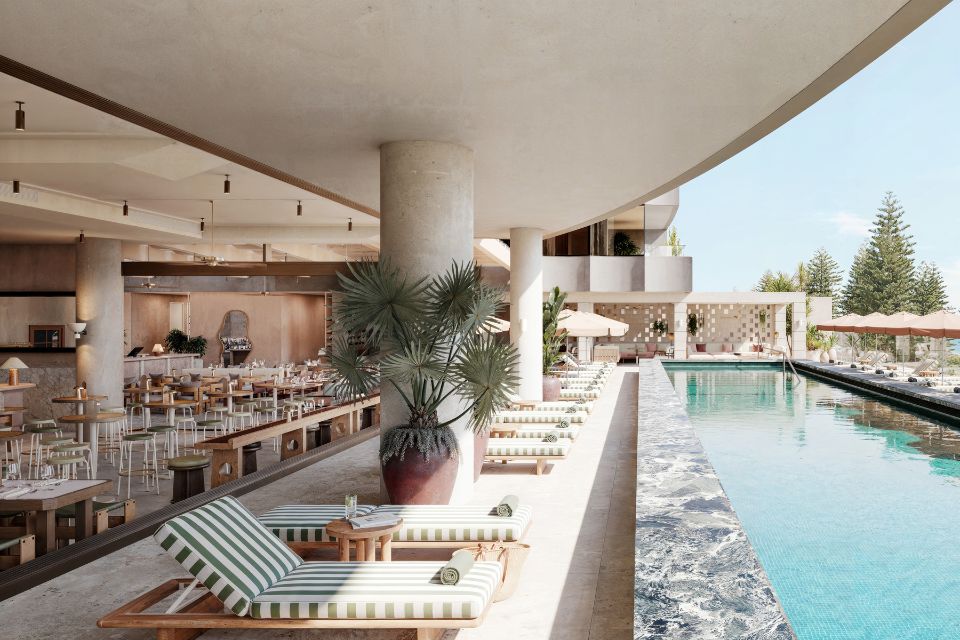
(852,504)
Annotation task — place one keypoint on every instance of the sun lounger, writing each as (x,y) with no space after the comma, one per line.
(507,449)
(560,406)
(575,394)
(264,585)
(541,431)
(539,417)
(447,526)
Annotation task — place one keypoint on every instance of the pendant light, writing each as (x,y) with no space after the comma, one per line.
(81,236)
(349,224)
(202,225)
(20,118)
(226,183)
(299,208)
(126,209)
(16,186)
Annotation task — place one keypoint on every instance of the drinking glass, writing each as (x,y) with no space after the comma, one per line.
(46,473)
(350,504)
(13,474)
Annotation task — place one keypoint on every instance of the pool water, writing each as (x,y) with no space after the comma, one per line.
(852,504)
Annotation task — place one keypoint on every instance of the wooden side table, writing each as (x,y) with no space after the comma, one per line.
(365,539)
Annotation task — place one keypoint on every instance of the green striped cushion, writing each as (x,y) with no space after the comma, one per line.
(538,417)
(225,548)
(541,432)
(562,406)
(455,523)
(526,447)
(581,384)
(579,393)
(306,522)
(378,591)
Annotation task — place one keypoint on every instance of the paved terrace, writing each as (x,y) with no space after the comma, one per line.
(576,583)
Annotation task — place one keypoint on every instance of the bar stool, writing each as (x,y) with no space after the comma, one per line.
(206,425)
(218,411)
(134,409)
(185,421)
(69,457)
(187,475)
(111,433)
(171,443)
(12,446)
(264,411)
(39,430)
(149,469)
(239,420)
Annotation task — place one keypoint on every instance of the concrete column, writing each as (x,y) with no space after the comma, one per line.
(799,330)
(680,330)
(100,304)
(426,223)
(526,308)
(780,326)
(585,345)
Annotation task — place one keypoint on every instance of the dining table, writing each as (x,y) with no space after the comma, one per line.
(287,388)
(170,407)
(78,403)
(94,420)
(230,395)
(43,502)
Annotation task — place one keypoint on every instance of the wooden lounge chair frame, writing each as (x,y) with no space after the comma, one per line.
(540,460)
(24,551)
(190,620)
(299,547)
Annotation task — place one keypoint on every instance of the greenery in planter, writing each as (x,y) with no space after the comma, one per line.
(660,326)
(553,340)
(429,339)
(197,345)
(693,324)
(179,342)
(623,245)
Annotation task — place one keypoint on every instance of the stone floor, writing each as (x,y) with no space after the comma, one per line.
(577,583)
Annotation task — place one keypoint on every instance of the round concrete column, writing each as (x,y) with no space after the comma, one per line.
(526,308)
(426,223)
(100,305)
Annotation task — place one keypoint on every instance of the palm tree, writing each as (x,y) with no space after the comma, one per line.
(429,340)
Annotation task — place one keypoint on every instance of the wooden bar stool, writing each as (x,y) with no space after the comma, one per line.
(188,475)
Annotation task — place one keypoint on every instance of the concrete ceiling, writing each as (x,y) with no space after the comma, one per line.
(575,110)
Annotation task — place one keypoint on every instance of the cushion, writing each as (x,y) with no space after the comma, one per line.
(196,377)
(541,432)
(727,347)
(377,590)
(225,548)
(651,347)
(306,522)
(465,523)
(526,447)
(538,417)
(701,347)
(579,393)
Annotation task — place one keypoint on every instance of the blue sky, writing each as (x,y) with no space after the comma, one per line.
(818,180)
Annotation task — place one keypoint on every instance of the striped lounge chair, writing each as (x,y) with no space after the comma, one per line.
(507,449)
(575,394)
(562,406)
(303,526)
(542,431)
(265,585)
(538,417)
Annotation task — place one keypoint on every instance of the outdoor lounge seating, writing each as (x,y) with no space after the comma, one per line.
(509,449)
(542,431)
(304,526)
(264,585)
(538,417)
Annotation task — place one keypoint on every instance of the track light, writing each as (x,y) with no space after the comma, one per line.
(20,119)
(226,184)
(299,208)
(16,186)
(202,225)
(349,224)
(126,209)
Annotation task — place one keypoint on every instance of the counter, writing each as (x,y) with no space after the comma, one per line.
(166,363)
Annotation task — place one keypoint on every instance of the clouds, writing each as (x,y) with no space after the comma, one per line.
(851,224)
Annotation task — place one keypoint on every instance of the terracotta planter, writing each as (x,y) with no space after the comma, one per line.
(551,389)
(415,480)
(479,451)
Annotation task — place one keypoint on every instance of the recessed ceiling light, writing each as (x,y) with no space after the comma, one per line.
(20,119)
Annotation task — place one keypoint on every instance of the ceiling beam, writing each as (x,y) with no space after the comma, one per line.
(233,269)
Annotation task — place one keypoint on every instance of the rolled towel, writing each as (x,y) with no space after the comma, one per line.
(879,372)
(911,379)
(550,437)
(956,389)
(563,424)
(459,565)
(507,506)
(853,366)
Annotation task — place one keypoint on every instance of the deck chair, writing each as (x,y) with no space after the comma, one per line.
(245,569)
(303,526)
(526,449)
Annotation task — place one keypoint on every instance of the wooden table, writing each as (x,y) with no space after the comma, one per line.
(94,420)
(502,430)
(365,540)
(285,387)
(10,444)
(230,395)
(169,407)
(45,501)
(78,403)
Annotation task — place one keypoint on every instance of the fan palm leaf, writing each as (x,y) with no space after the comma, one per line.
(486,376)
(379,301)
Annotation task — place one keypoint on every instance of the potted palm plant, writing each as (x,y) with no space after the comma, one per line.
(429,341)
(553,340)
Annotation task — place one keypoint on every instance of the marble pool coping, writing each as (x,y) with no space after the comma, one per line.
(696,574)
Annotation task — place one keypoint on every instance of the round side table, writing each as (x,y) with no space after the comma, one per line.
(365,539)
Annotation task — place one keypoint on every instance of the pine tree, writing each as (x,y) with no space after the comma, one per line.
(823,274)
(883,275)
(776,282)
(931,292)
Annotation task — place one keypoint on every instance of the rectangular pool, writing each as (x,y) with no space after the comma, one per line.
(852,503)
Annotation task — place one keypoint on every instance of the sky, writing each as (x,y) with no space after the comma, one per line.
(818,180)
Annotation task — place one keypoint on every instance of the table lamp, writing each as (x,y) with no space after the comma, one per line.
(157,349)
(14,365)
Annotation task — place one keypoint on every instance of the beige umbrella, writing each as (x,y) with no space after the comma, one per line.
(581,324)
(940,324)
(870,323)
(897,324)
(843,323)
(499,325)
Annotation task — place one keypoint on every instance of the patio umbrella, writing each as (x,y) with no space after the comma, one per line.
(843,323)
(871,323)
(897,324)
(582,324)
(940,324)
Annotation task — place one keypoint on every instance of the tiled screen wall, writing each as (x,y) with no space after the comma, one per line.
(734,323)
